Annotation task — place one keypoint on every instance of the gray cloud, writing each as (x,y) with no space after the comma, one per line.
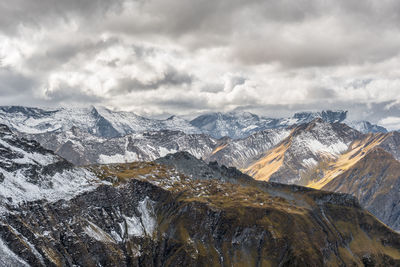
(180,56)
(170,77)
(46,13)
(54,56)
(66,94)
(14,84)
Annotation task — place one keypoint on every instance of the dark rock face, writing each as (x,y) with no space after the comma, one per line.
(103,127)
(139,224)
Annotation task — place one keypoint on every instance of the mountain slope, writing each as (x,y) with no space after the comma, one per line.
(326,171)
(367,168)
(240,152)
(301,151)
(29,172)
(82,148)
(375,181)
(178,210)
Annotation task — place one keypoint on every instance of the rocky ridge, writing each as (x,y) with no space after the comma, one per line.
(170,213)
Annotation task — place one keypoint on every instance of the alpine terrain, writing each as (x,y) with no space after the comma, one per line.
(177,210)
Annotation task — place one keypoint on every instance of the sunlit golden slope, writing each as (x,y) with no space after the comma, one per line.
(307,145)
(263,168)
(357,151)
(218,149)
(375,181)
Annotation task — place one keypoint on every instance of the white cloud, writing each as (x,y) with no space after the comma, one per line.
(175,56)
(391,123)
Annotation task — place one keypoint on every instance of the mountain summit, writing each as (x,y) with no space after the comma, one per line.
(106,123)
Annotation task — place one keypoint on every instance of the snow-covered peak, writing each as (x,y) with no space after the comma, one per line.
(105,123)
(320,138)
(98,121)
(366,127)
(237,124)
(326,115)
(29,172)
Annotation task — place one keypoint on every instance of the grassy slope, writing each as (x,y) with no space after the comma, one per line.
(296,227)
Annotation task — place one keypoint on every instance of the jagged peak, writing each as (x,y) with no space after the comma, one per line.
(327,115)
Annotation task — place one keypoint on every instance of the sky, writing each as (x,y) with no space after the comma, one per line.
(162,57)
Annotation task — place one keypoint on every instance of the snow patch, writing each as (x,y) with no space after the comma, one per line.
(8,257)
(118,158)
(143,225)
(309,163)
(65,185)
(146,208)
(97,233)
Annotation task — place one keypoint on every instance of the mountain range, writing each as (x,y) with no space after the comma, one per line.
(176,210)
(102,122)
(122,188)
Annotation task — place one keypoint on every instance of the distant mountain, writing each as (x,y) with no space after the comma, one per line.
(243,124)
(97,121)
(335,157)
(241,152)
(104,123)
(30,172)
(82,148)
(232,124)
(301,151)
(366,127)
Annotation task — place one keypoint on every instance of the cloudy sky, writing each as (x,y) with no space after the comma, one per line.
(159,57)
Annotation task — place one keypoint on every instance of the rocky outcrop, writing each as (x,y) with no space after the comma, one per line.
(167,218)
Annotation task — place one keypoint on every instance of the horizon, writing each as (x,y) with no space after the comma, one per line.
(189,117)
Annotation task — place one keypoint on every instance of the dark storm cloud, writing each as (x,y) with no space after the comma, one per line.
(65,93)
(14,83)
(170,77)
(189,103)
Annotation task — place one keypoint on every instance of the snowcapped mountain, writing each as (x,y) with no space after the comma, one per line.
(232,124)
(105,123)
(306,146)
(175,209)
(82,148)
(100,122)
(29,172)
(366,127)
(241,152)
(242,124)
